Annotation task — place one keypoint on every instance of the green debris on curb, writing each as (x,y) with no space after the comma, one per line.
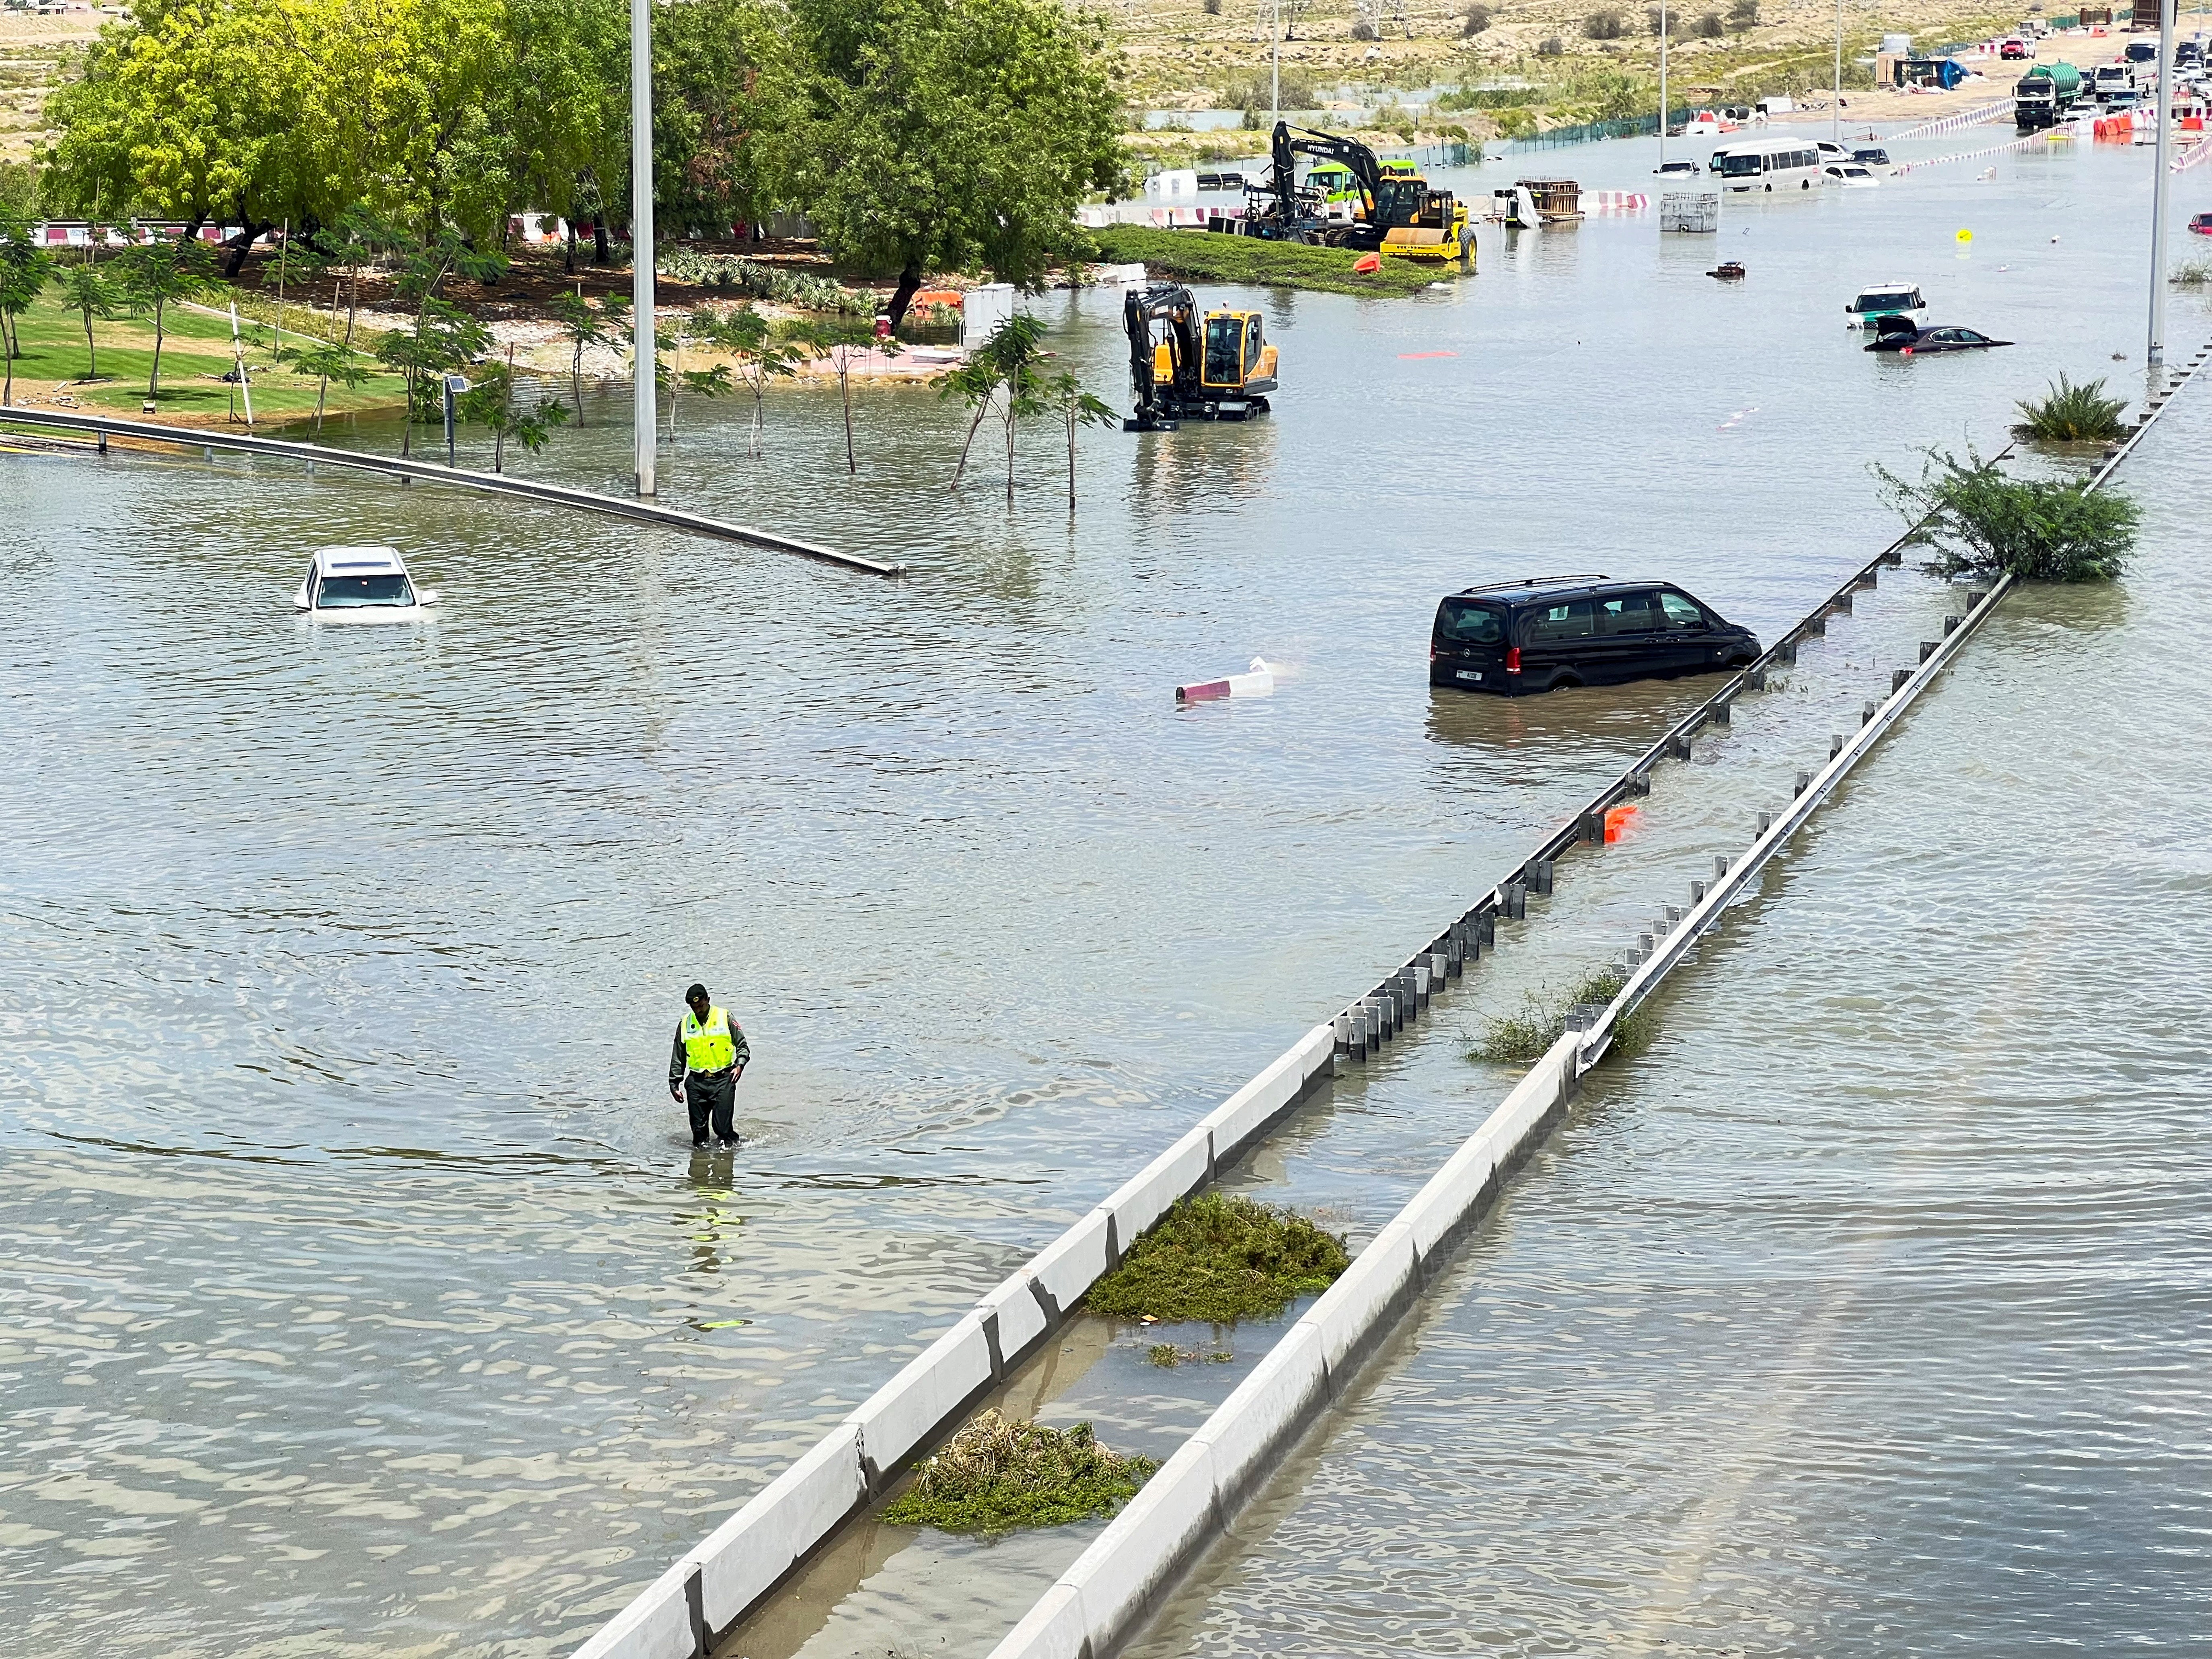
(997,1476)
(1520,1037)
(1219,1259)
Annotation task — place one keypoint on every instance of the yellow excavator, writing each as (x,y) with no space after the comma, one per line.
(1391,208)
(1184,368)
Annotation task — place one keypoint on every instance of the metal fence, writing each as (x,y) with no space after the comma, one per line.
(1631,126)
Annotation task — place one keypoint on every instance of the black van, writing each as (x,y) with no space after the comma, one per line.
(1552,631)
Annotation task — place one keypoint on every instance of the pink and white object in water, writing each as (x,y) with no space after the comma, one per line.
(1260,682)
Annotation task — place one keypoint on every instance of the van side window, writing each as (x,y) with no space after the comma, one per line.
(1681,614)
(1570,621)
(1627,613)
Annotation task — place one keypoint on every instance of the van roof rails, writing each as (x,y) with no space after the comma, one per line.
(1540,581)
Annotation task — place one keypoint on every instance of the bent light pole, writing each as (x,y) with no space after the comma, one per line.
(644,416)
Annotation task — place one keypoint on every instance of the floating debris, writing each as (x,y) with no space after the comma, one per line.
(997,1476)
(1220,1259)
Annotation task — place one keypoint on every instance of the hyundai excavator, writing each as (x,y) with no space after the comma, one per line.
(1391,213)
(1185,368)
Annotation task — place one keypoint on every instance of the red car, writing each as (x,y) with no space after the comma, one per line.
(2201,223)
(2012,49)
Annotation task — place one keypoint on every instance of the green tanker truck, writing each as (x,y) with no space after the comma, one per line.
(2045,93)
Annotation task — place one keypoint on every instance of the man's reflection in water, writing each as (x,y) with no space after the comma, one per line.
(716,1221)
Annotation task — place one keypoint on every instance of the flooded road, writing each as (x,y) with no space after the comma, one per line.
(361,1293)
(1867,1312)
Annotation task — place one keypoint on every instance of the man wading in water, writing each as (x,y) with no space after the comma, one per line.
(712,1047)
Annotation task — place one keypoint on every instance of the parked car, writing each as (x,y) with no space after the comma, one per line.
(1676,169)
(1851,176)
(2142,51)
(361,585)
(2201,223)
(1899,335)
(1549,632)
(1871,158)
(2012,49)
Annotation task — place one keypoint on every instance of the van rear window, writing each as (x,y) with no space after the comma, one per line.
(1463,622)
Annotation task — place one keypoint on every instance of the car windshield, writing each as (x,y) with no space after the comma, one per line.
(1463,622)
(1735,167)
(343,593)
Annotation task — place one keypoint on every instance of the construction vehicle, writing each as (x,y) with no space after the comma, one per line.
(1185,368)
(1390,212)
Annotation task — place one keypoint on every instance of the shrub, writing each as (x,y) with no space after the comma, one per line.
(2072,414)
(1550,46)
(1977,521)
(995,1476)
(1655,20)
(1364,30)
(1220,1259)
(1743,13)
(1213,8)
(1474,20)
(1606,25)
(1525,1036)
(1709,26)
(2192,273)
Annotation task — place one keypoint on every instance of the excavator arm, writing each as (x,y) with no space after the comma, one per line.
(1174,305)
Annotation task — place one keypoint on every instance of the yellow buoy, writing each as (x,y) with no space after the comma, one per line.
(1965,237)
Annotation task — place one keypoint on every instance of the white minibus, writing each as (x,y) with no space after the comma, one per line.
(1771,164)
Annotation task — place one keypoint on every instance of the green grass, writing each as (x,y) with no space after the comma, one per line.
(2072,414)
(996,1476)
(1204,256)
(1528,1033)
(195,357)
(1219,1259)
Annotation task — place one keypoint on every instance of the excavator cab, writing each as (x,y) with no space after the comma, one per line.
(1237,357)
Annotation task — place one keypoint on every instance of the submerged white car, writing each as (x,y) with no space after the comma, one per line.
(361,585)
(1852,175)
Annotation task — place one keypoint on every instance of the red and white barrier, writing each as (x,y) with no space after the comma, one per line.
(1614,200)
(1964,117)
(1259,683)
(1976,154)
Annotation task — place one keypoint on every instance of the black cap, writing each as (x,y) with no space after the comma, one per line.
(698,993)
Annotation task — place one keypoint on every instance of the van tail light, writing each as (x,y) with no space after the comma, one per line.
(1512,659)
(1433,650)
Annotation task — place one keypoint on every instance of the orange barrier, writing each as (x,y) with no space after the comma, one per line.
(1617,820)
(1369,266)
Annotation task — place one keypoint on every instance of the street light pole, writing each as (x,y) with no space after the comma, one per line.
(1663,82)
(1275,68)
(2156,354)
(644,416)
(1836,110)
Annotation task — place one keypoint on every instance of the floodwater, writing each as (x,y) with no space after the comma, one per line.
(361,1293)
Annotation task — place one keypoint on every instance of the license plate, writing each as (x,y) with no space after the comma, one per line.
(1468,674)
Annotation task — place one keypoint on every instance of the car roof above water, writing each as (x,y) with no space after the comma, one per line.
(358,560)
(1550,590)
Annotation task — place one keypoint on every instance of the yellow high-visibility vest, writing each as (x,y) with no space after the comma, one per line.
(708,1047)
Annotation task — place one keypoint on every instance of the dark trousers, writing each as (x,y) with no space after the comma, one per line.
(712,1093)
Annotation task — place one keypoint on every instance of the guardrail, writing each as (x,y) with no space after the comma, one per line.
(1101,1601)
(496,483)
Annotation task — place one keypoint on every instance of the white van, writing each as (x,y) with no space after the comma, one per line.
(1772,164)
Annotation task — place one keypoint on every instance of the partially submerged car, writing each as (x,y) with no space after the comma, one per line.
(1852,175)
(1548,632)
(361,585)
(1879,299)
(1898,334)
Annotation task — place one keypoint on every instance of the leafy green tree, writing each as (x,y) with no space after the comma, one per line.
(586,326)
(1079,408)
(1978,522)
(1004,373)
(945,134)
(491,402)
(444,337)
(761,357)
(89,292)
(329,361)
(722,82)
(155,277)
(23,268)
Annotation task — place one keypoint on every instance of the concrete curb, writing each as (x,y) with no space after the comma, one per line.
(495,484)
